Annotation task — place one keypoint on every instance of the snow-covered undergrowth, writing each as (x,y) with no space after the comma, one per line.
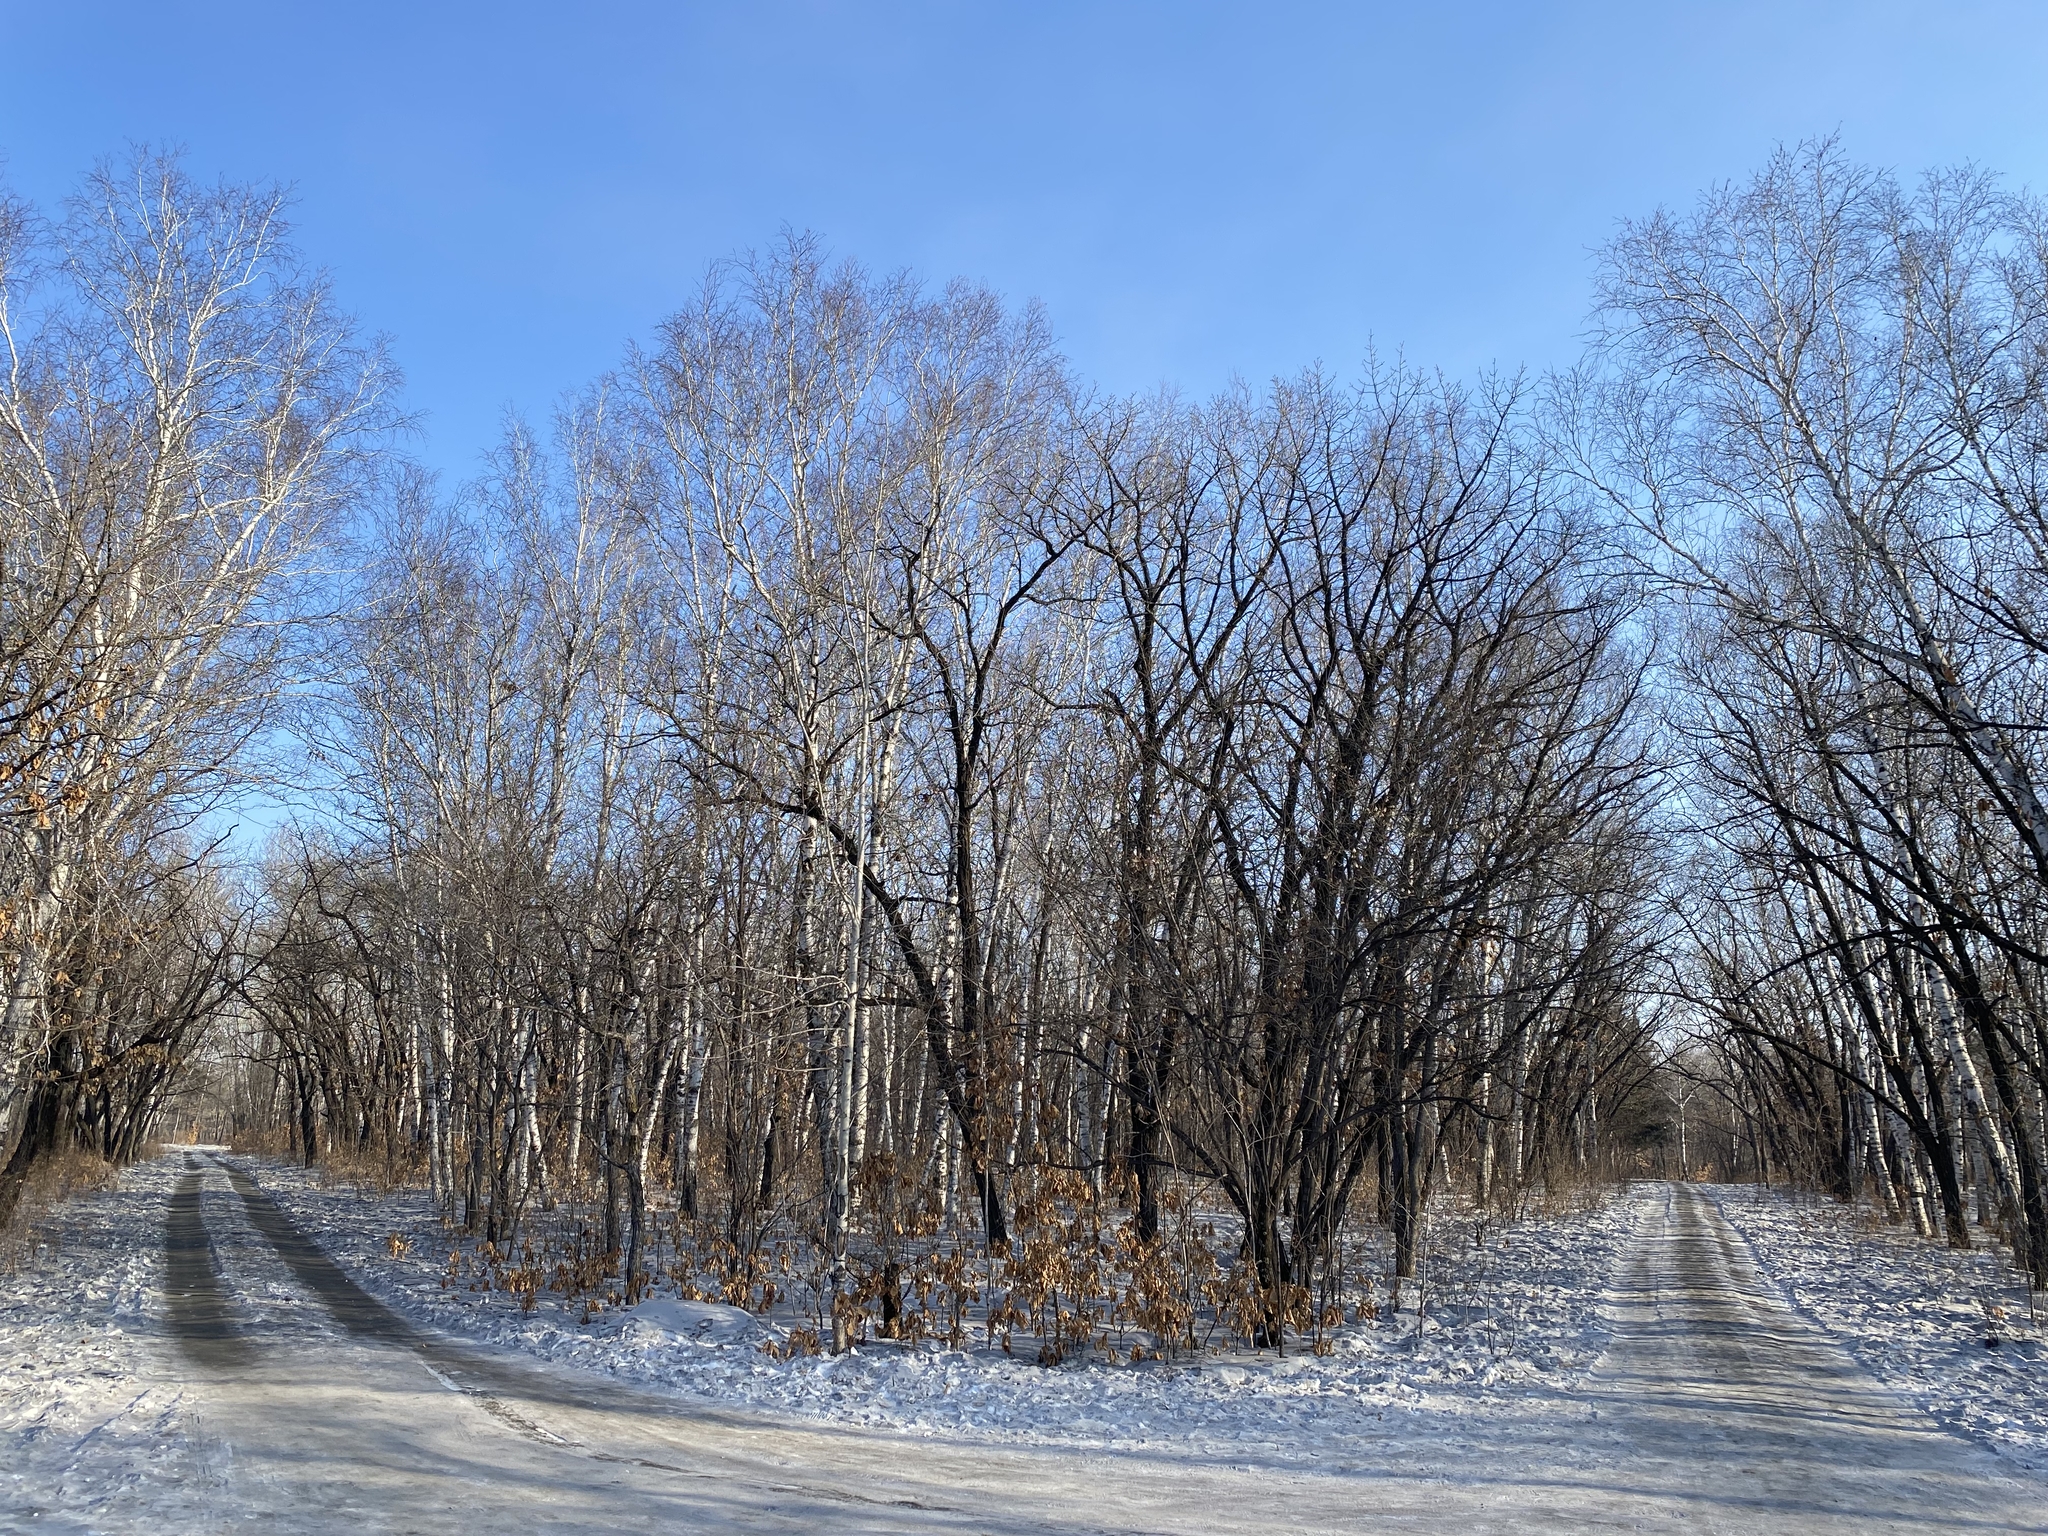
(93,1426)
(1515,1315)
(1916,1314)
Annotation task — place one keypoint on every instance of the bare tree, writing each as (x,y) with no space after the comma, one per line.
(182,414)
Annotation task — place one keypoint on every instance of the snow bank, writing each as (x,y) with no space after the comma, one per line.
(1916,1314)
(1515,1316)
(672,1322)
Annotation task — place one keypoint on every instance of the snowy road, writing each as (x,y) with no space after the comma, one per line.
(1731,1406)
(303,1404)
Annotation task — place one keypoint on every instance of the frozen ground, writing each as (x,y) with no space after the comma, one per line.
(1915,1314)
(249,1383)
(1517,1318)
(93,1435)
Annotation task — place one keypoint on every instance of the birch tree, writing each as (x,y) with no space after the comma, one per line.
(182,416)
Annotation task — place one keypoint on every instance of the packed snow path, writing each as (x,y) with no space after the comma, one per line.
(1716,1409)
(1733,1404)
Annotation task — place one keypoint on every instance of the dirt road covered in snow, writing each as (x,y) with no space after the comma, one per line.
(278,1395)
(1733,1413)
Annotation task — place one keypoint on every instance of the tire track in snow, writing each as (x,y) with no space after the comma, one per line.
(199,1311)
(361,1313)
(365,1316)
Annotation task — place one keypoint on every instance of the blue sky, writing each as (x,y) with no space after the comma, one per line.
(512,191)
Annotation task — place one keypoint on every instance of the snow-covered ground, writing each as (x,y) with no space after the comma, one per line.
(1520,1316)
(105,1424)
(1493,1415)
(1914,1313)
(93,1429)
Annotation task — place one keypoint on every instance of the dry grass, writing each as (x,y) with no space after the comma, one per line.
(55,1178)
(370,1173)
(274,1143)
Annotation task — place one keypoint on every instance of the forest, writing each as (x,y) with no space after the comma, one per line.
(846,807)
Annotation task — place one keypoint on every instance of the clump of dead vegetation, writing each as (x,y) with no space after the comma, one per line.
(52,1180)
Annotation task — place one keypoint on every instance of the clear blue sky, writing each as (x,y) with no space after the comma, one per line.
(511,191)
